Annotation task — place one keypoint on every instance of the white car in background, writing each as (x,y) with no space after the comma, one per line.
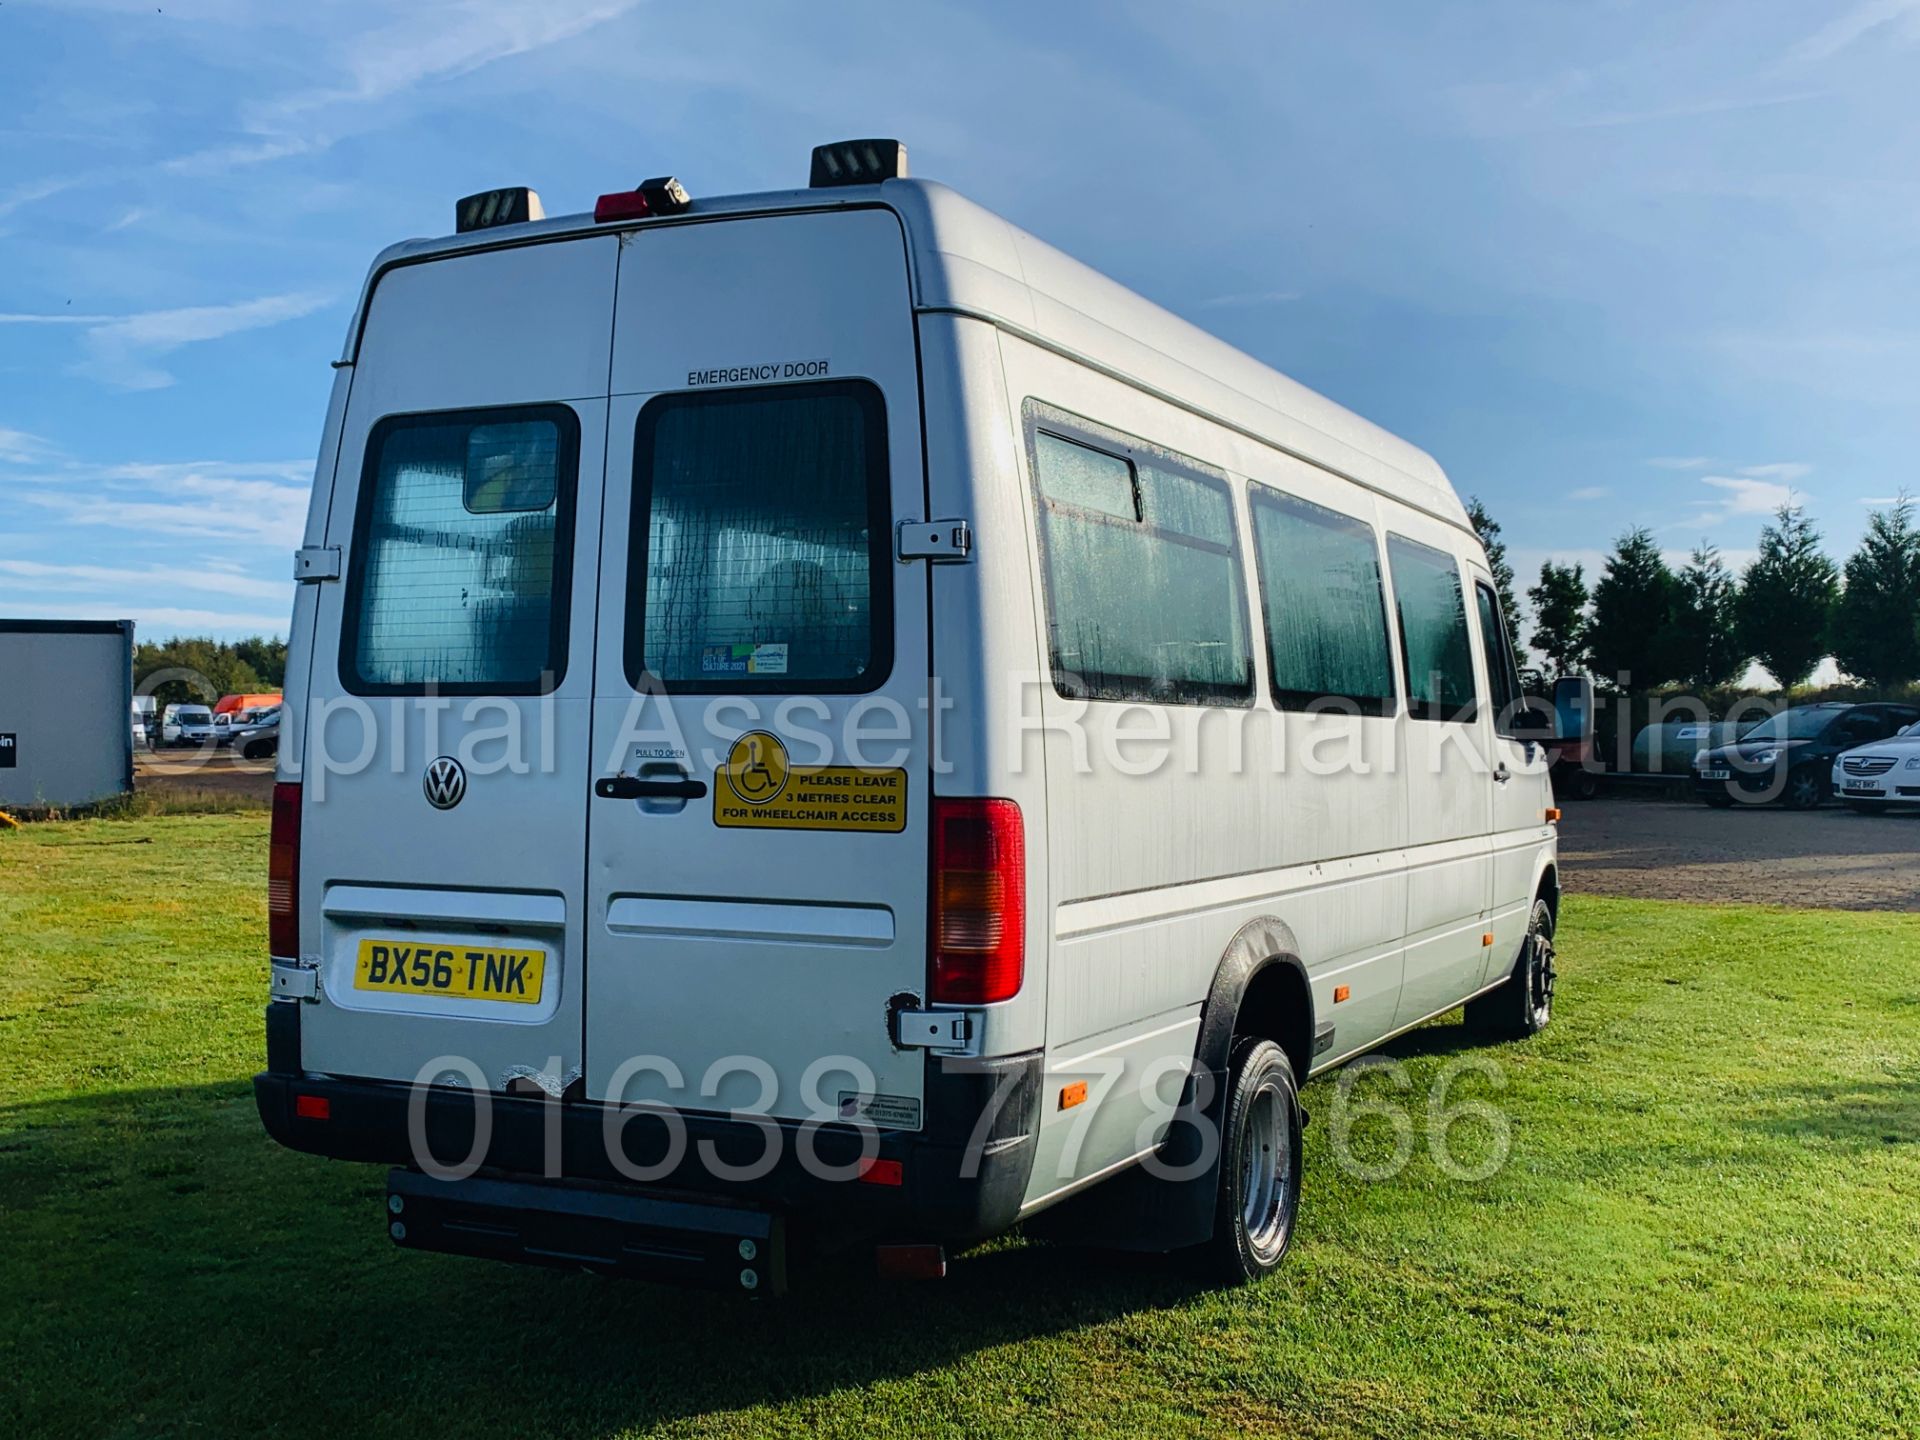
(1878,776)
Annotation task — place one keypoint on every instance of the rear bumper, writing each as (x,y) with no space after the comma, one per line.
(962,1176)
(608,1229)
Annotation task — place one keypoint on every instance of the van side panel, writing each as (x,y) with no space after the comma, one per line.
(1154,867)
(988,663)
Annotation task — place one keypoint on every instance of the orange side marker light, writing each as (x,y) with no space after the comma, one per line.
(1486,938)
(1553,815)
(1340,992)
(1072,1095)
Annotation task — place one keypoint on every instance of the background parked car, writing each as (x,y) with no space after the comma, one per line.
(1789,757)
(186,725)
(1882,774)
(257,735)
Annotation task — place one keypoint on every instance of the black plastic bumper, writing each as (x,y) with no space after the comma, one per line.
(961,1176)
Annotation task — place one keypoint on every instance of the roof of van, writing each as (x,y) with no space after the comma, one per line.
(968,260)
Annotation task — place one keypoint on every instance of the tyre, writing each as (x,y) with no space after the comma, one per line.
(1524,1005)
(1585,786)
(1259,1167)
(1868,807)
(1804,791)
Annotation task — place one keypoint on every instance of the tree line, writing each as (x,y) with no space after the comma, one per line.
(1701,625)
(182,671)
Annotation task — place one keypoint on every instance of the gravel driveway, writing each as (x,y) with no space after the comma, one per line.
(1672,850)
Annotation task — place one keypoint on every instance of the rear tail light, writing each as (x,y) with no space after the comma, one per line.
(979,923)
(283,874)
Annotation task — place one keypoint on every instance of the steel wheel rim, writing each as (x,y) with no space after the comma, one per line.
(1544,976)
(1266,1172)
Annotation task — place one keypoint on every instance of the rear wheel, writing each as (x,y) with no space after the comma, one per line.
(1524,1005)
(1259,1166)
(1804,790)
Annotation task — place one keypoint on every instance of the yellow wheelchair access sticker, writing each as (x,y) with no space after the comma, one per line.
(757,789)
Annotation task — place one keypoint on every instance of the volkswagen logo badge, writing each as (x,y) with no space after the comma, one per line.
(445,783)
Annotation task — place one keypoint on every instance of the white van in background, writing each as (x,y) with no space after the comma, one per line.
(186,725)
(816,716)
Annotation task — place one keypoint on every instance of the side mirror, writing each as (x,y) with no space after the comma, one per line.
(1573,705)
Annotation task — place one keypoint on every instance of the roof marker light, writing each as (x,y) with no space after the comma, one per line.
(662,195)
(857,162)
(514,205)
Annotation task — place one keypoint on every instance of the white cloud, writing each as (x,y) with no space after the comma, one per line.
(35,575)
(122,347)
(193,503)
(1680,462)
(1741,495)
(17,447)
(1781,470)
(1590,492)
(427,43)
(1840,32)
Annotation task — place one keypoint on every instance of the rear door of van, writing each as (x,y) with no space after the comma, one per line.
(757,863)
(445,752)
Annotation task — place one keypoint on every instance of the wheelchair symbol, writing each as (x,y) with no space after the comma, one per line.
(757,767)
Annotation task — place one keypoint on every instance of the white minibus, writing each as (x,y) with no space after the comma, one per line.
(814,720)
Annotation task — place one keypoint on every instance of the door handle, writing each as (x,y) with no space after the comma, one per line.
(1501,775)
(627,787)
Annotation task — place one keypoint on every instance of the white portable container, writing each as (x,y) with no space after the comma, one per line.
(66,697)
(816,713)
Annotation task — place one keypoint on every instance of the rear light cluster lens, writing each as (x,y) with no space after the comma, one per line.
(283,874)
(979,923)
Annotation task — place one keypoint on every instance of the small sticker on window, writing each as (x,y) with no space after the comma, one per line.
(744,659)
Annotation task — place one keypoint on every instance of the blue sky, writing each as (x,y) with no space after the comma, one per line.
(1614,264)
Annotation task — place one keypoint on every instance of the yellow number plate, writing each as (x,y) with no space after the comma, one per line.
(466,971)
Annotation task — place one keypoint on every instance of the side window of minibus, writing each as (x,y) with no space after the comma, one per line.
(1435,655)
(1503,678)
(1324,602)
(1144,590)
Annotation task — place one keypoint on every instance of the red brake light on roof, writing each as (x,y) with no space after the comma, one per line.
(620,205)
(283,874)
(979,920)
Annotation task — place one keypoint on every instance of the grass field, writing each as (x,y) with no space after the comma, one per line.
(1708,1223)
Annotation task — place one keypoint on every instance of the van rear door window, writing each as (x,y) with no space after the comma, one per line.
(1435,655)
(1325,605)
(462,554)
(763,518)
(1145,599)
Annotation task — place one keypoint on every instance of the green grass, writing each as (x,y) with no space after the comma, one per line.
(1709,1223)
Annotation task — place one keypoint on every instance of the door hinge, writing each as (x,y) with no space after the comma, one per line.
(293,980)
(933,1029)
(940,542)
(314,563)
